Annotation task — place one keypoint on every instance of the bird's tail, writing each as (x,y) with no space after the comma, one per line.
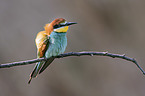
(35,71)
(46,64)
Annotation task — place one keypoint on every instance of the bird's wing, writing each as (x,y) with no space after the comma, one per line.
(42,43)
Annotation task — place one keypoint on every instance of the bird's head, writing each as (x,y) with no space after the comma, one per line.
(58,25)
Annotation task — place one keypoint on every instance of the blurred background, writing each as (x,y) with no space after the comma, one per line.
(116,26)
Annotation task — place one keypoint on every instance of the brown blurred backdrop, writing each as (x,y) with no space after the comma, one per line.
(116,26)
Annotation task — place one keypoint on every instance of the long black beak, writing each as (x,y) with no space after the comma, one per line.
(66,24)
(70,23)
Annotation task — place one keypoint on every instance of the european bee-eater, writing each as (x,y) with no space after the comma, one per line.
(50,42)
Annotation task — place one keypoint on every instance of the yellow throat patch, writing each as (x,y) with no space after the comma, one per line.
(61,29)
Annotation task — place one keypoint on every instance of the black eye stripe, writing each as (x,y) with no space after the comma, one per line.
(57,26)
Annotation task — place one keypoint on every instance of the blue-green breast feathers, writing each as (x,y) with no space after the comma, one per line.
(57,44)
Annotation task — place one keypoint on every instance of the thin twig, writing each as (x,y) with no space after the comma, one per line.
(74,54)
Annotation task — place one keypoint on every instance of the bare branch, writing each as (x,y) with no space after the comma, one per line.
(74,54)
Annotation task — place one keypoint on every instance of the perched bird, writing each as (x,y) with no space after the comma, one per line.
(50,42)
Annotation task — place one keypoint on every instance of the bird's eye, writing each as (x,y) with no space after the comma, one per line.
(56,26)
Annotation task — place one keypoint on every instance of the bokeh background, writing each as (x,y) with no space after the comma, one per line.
(116,26)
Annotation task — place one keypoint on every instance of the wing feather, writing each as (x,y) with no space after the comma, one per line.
(42,43)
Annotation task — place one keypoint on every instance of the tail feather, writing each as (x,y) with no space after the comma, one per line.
(39,68)
(35,71)
(30,80)
(46,64)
